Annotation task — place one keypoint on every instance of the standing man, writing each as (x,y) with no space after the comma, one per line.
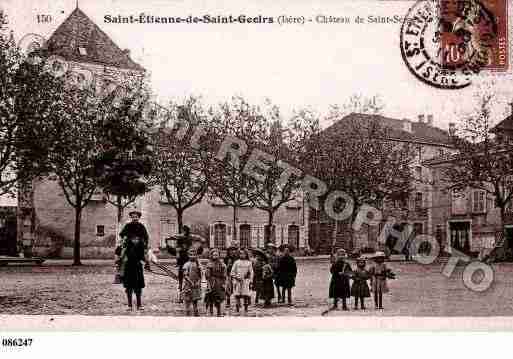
(135,229)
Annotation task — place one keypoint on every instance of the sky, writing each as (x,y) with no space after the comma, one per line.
(312,65)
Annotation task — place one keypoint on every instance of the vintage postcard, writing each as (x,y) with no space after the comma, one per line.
(283,165)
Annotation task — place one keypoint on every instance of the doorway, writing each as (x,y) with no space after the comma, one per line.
(459,234)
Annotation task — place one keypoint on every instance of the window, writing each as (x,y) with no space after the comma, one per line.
(419,204)
(458,202)
(220,235)
(479,201)
(167,229)
(245,236)
(293,236)
(100,230)
(418,172)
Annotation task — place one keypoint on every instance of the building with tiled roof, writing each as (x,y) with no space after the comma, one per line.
(429,142)
(468,220)
(79,39)
(47,221)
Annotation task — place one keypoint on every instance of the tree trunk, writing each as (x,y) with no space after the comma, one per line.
(76,246)
(268,229)
(234,232)
(179,219)
(120,214)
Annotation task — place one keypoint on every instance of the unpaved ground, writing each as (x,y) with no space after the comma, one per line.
(419,290)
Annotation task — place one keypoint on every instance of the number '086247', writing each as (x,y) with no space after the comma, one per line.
(16,342)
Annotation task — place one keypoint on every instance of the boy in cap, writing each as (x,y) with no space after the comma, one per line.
(339,284)
(360,288)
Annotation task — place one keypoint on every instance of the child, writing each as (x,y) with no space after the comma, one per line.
(230,258)
(133,275)
(267,293)
(191,288)
(360,289)
(242,276)
(379,274)
(215,275)
(287,272)
(339,284)
(258,266)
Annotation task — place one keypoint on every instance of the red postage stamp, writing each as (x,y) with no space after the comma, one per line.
(474,35)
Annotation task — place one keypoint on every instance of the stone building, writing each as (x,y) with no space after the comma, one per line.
(429,142)
(46,220)
(468,220)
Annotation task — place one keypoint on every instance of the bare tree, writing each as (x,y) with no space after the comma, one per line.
(227,178)
(179,167)
(484,161)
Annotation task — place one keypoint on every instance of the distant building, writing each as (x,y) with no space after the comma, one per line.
(429,142)
(46,220)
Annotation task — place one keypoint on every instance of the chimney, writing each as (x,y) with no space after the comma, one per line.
(452,129)
(407,125)
(421,118)
(430,120)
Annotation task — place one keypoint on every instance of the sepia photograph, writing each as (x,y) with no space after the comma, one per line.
(253,165)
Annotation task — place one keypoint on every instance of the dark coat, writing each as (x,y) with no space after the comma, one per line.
(360,288)
(133,275)
(135,229)
(267,290)
(287,271)
(215,274)
(258,280)
(339,284)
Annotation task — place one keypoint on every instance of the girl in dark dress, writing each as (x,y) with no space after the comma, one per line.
(287,271)
(360,288)
(258,266)
(339,284)
(215,275)
(133,275)
(267,293)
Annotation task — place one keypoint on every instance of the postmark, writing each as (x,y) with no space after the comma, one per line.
(445,43)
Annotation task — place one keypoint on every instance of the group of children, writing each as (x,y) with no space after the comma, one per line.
(342,273)
(237,275)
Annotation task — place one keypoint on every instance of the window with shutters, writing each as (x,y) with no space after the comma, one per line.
(220,235)
(419,204)
(245,236)
(478,201)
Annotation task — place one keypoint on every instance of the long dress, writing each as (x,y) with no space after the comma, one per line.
(191,290)
(215,274)
(339,284)
(133,254)
(258,266)
(242,276)
(267,290)
(287,271)
(360,288)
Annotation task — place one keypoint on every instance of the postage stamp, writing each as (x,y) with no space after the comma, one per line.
(474,34)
